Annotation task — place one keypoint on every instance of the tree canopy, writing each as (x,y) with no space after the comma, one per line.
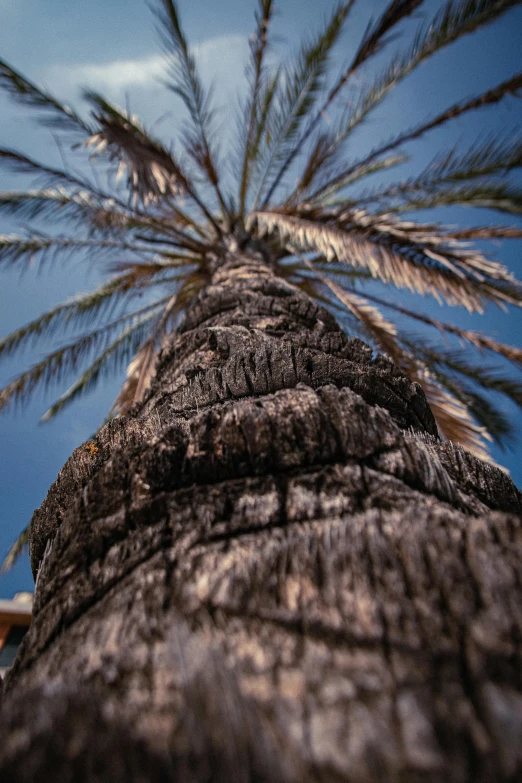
(160,215)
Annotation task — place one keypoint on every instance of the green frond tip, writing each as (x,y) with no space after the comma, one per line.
(60,363)
(14,247)
(17,549)
(327,143)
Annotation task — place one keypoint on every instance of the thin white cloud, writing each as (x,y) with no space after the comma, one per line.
(221,59)
(120,74)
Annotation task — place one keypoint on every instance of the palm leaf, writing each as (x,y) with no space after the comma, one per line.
(74,312)
(499,196)
(451,411)
(142,367)
(61,362)
(486,232)
(139,376)
(477,339)
(259,100)
(19,163)
(391,259)
(301,85)
(18,548)
(14,247)
(96,214)
(455,20)
(510,87)
(185,82)
(110,361)
(490,378)
(382,332)
(372,42)
(152,171)
(56,114)
(453,417)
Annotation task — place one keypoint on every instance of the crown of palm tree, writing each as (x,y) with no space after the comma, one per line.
(164,215)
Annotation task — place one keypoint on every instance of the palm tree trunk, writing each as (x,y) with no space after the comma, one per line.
(272,570)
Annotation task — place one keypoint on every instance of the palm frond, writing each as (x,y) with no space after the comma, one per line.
(382,332)
(393,259)
(499,196)
(341,179)
(301,85)
(14,247)
(453,417)
(258,103)
(55,114)
(23,164)
(486,232)
(489,378)
(491,156)
(110,361)
(185,82)
(477,339)
(452,410)
(58,364)
(325,194)
(451,367)
(139,376)
(483,410)
(374,38)
(152,171)
(75,312)
(18,548)
(97,215)
(452,22)
(142,367)
(373,41)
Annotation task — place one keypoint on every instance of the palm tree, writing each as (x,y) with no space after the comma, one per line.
(267,565)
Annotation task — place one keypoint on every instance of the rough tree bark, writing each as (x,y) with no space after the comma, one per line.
(273,570)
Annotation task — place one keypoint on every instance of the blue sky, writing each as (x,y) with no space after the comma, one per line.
(113,48)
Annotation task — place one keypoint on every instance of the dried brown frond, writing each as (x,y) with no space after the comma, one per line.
(389,258)
(486,232)
(152,172)
(139,376)
(141,370)
(477,339)
(453,418)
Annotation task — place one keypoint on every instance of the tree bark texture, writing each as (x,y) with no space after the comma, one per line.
(272,570)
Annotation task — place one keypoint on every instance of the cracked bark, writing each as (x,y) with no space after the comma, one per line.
(272,570)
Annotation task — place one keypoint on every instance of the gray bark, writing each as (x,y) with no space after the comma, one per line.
(272,570)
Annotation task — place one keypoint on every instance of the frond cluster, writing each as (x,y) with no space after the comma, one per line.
(162,212)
